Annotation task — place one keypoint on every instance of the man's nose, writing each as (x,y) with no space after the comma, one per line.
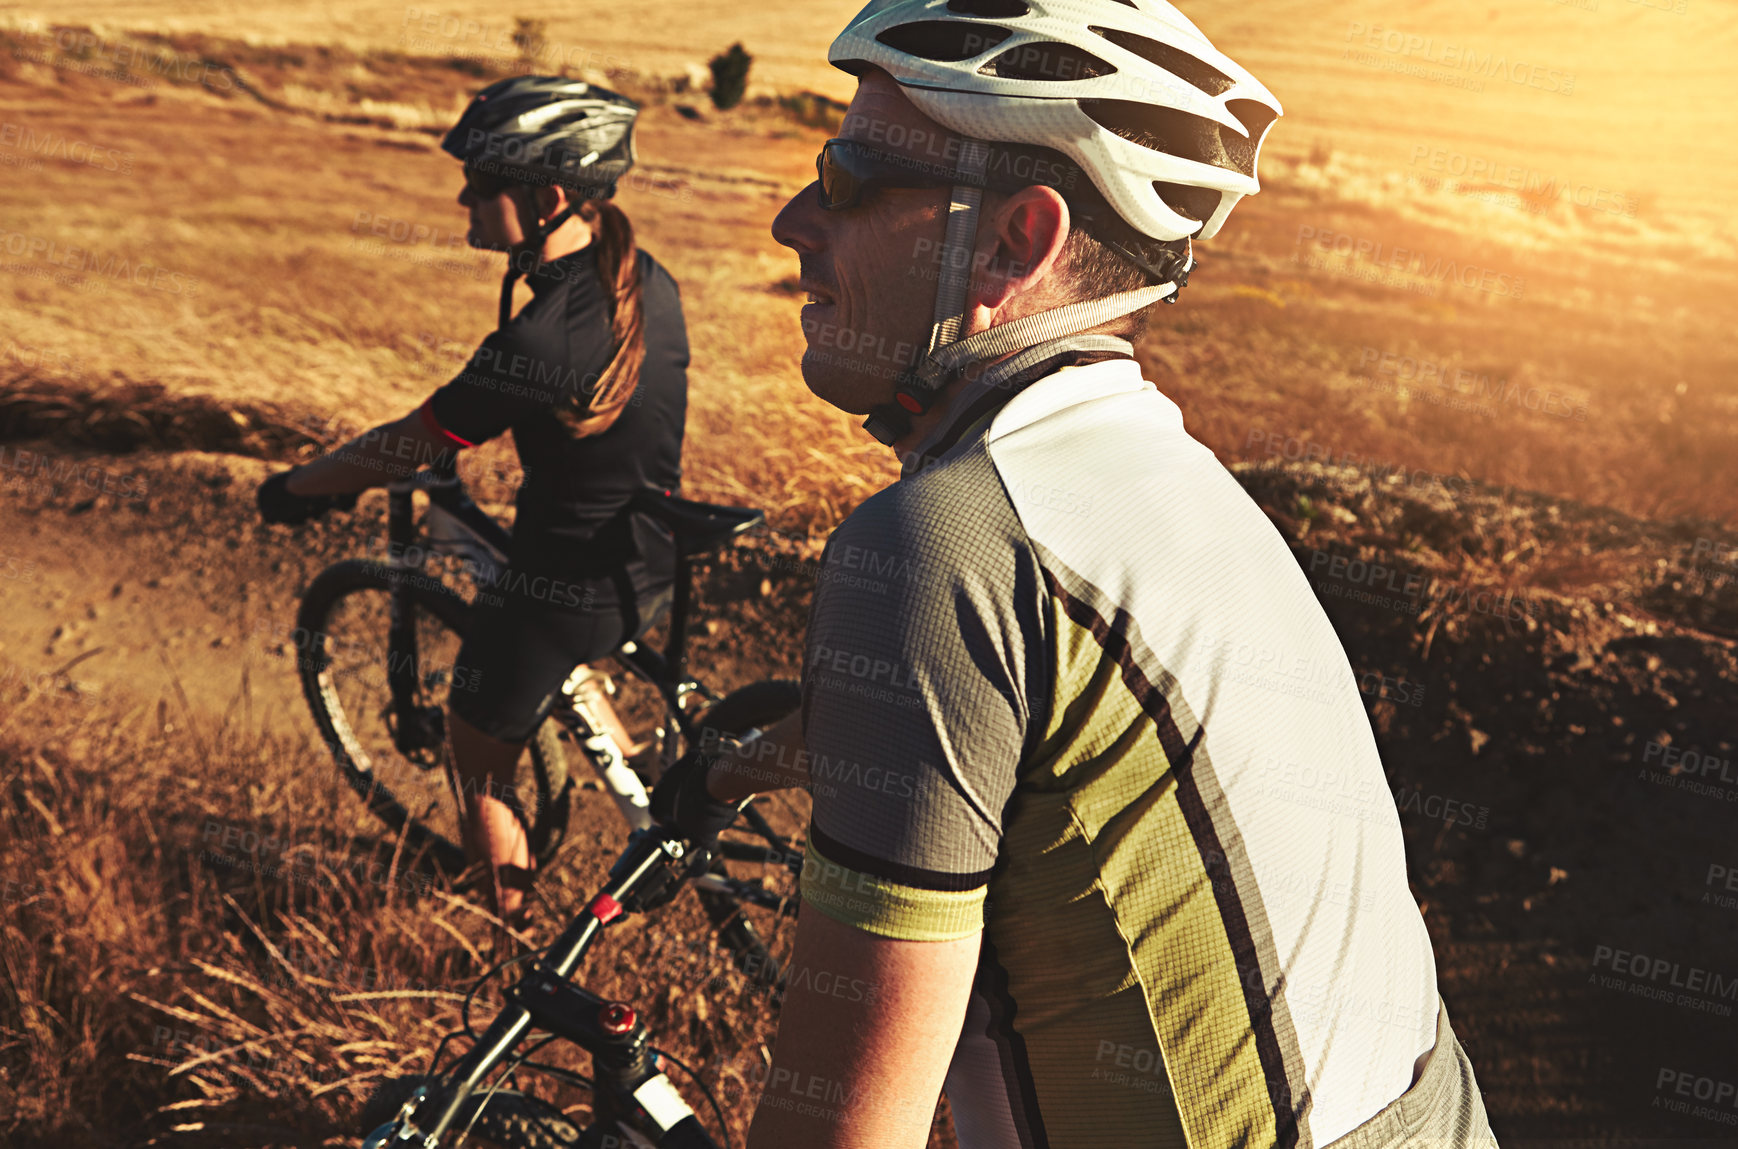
(798,224)
(465,199)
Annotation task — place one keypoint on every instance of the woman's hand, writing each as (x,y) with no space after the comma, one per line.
(279,504)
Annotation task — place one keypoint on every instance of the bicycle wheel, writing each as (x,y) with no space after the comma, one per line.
(390,738)
(753,935)
(511,1120)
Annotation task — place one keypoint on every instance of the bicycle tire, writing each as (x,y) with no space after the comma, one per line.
(755,706)
(511,1120)
(361,735)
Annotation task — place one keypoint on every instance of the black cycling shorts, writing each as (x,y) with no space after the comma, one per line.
(520,649)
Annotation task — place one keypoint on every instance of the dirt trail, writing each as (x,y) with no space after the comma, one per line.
(182,596)
(145,606)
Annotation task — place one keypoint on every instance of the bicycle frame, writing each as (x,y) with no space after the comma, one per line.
(630,1092)
(458,527)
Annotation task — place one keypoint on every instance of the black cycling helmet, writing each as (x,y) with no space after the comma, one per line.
(541,130)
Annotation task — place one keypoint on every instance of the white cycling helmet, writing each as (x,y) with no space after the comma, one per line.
(1167,126)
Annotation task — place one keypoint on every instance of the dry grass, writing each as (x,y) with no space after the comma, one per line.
(264,199)
(1636,389)
(167,976)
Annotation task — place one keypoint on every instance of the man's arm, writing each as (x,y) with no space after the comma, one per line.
(374,458)
(900,677)
(868,1028)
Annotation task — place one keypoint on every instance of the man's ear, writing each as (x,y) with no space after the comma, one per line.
(1020,247)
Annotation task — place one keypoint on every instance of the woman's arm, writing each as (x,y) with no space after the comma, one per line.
(374,458)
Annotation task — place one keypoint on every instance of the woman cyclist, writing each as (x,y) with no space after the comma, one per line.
(590,376)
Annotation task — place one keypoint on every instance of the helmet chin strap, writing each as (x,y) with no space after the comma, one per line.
(949,355)
(531,245)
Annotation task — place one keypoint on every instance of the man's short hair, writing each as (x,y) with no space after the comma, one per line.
(1093,271)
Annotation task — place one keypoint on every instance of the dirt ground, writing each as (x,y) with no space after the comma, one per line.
(1555,698)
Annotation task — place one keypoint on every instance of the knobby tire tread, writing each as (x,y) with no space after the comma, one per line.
(511,1119)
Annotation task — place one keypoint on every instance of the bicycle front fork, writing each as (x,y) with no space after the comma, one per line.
(589,691)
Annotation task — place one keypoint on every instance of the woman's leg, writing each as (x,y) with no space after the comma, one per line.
(516,654)
(493,832)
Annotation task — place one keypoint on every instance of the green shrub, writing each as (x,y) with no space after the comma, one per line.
(730,77)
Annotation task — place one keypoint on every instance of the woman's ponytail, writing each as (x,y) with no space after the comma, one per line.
(600,401)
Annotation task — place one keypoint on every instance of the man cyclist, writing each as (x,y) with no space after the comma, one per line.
(1100,835)
(591,378)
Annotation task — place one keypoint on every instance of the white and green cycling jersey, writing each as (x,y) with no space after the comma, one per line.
(1066,685)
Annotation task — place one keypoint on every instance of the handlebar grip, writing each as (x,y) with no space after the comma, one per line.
(687,1133)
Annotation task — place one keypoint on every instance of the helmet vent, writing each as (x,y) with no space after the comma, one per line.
(540,130)
(1179,133)
(1256,118)
(1046,60)
(944,40)
(1189,202)
(990,9)
(1173,60)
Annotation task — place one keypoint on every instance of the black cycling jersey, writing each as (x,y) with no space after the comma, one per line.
(571,519)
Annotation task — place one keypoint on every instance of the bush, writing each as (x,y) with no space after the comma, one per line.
(730,77)
(529,36)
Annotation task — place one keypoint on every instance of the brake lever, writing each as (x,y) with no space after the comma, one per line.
(681,863)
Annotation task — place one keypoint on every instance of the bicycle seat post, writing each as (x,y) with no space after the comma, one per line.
(696,528)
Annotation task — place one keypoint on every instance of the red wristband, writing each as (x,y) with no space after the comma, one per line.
(433,424)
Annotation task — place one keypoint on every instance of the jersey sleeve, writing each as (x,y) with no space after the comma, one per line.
(922,676)
(484,399)
(519,370)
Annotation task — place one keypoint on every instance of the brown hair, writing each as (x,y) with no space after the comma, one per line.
(601,399)
(1096,271)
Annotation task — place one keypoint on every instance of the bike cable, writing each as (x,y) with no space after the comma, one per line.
(500,1081)
(498,967)
(577,1080)
(717,1110)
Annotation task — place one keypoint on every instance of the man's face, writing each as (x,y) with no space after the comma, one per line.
(871,269)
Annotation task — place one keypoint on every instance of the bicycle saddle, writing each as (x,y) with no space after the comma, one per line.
(698,527)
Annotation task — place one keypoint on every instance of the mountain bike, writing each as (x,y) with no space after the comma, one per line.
(377,643)
(633,1102)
